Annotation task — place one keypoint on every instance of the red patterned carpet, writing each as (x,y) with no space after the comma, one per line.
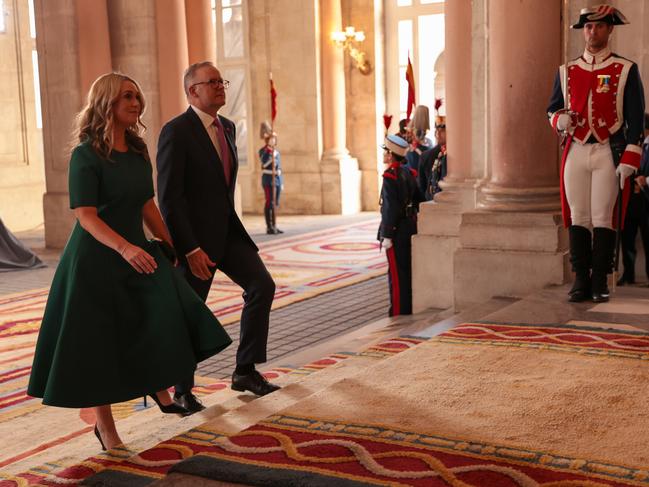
(302,266)
(120,464)
(484,404)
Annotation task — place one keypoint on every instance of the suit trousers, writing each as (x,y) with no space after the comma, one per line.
(242,264)
(637,217)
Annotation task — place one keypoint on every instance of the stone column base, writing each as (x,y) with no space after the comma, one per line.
(432,271)
(341,185)
(508,254)
(438,231)
(59,219)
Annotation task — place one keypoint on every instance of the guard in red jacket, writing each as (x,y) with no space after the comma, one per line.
(601,115)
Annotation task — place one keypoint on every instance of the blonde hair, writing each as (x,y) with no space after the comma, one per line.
(94,123)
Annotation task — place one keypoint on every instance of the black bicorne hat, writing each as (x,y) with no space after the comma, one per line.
(600,13)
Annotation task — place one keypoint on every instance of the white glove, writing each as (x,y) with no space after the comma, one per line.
(623,171)
(564,122)
(387,243)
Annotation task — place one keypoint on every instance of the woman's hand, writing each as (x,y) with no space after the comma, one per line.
(140,260)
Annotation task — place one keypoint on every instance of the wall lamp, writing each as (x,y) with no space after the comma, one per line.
(348,39)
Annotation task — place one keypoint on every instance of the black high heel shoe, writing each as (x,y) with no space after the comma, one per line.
(101,442)
(173,408)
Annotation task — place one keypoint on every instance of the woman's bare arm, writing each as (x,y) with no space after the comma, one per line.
(154,222)
(139,259)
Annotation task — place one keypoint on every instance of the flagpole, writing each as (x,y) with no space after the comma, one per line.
(272,118)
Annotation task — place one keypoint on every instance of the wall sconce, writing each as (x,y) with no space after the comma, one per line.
(348,40)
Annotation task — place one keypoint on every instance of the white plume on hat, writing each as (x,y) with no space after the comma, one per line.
(421,118)
(265,130)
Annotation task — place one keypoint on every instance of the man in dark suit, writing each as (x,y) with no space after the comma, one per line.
(197,168)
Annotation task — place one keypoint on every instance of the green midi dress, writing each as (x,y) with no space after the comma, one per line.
(110,334)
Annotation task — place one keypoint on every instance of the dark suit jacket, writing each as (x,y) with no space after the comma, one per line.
(196,202)
(644,167)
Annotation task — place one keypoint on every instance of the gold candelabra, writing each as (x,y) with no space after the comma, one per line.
(348,41)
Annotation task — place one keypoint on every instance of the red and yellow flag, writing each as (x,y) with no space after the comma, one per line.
(410,78)
(273,100)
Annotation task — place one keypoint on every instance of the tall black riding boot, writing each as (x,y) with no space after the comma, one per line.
(273,217)
(580,258)
(603,253)
(269,222)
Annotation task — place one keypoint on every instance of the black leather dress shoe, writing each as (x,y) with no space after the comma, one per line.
(189,402)
(253,382)
(601,297)
(579,296)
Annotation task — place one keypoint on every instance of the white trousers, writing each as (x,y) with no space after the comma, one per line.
(590,184)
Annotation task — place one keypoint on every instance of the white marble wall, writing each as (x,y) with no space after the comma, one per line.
(22,178)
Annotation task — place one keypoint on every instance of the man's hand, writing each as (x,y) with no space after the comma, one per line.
(641,180)
(623,171)
(387,243)
(199,264)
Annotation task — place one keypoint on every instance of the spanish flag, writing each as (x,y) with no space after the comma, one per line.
(273,100)
(410,78)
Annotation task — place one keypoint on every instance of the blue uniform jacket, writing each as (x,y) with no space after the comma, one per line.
(400,198)
(266,158)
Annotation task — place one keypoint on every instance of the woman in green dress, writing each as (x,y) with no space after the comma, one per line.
(119,322)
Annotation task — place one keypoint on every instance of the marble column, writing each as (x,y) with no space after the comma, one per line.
(201,37)
(171,30)
(522,66)
(134,51)
(364,97)
(66,69)
(457,56)
(94,41)
(339,171)
(514,244)
(439,221)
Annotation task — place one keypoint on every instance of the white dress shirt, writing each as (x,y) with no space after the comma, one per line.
(208,122)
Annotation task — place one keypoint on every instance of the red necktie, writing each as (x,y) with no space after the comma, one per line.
(225,150)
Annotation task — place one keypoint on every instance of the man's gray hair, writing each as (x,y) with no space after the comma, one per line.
(190,72)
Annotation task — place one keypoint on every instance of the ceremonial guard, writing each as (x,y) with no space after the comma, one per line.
(420,143)
(598,105)
(271,177)
(432,166)
(637,215)
(400,199)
